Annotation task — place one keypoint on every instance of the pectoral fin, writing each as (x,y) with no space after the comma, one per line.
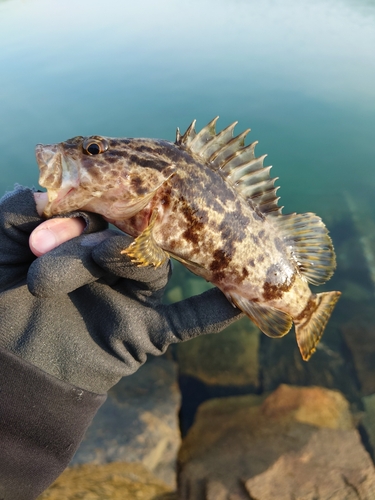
(273,322)
(144,251)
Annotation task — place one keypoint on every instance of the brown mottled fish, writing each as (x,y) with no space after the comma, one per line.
(209,202)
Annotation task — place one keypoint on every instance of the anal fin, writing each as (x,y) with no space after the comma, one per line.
(273,322)
(312,321)
(144,251)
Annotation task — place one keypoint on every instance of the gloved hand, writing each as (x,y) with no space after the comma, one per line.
(83,312)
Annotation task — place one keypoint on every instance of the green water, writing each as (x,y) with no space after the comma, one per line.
(301,74)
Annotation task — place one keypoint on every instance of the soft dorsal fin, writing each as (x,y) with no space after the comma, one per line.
(310,245)
(235,162)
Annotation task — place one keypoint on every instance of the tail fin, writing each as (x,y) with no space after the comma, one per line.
(311,322)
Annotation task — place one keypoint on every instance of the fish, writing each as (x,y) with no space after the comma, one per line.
(209,202)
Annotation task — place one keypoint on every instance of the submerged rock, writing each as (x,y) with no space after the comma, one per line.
(138,422)
(235,441)
(368,423)
(281,364)
(114,481)
(359,335)
(228,358)
(331,465)
(309,405)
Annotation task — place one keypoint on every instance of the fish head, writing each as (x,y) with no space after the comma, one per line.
(113,177)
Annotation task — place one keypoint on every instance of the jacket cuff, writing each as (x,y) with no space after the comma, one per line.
(42,422)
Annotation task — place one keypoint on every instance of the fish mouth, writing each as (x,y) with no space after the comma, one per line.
(59,177)
(49,160)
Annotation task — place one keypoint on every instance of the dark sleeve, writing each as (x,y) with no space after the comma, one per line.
(42,422)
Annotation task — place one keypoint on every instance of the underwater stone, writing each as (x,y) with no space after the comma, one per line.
(114,481)
(331,465)
(239,438)
(228,358)
(138,422)
(359,336)
(368,421)
(329,367)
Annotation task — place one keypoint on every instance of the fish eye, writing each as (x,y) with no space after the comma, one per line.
(94,145)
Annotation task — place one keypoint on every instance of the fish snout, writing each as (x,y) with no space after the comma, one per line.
(49,163)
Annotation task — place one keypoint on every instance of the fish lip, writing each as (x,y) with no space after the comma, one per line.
(54,201)
(41,151)
(56,174)
(49,160)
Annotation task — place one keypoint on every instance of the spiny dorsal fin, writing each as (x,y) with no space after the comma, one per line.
(235,162)
(310,245)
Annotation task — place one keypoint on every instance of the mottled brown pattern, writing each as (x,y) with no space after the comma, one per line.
(275,291)
(136,183)
(277,282)
(219,265)
(262,234)
(166,198)
(203,218)
(311,306)
(279,245)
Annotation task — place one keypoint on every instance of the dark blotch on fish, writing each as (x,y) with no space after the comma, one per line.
(138,185)
(308,311)
(166,198)
(261,234)
(195,224)
(279,245)
(219,264)
(276,283)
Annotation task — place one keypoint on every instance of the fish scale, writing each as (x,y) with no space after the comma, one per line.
(209,202)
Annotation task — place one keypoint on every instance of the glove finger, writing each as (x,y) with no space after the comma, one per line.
(109,257)
(93,222)
(209,312)
(67,267)
(18,218)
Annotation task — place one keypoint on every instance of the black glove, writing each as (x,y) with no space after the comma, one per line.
(73,321)
(83,312)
